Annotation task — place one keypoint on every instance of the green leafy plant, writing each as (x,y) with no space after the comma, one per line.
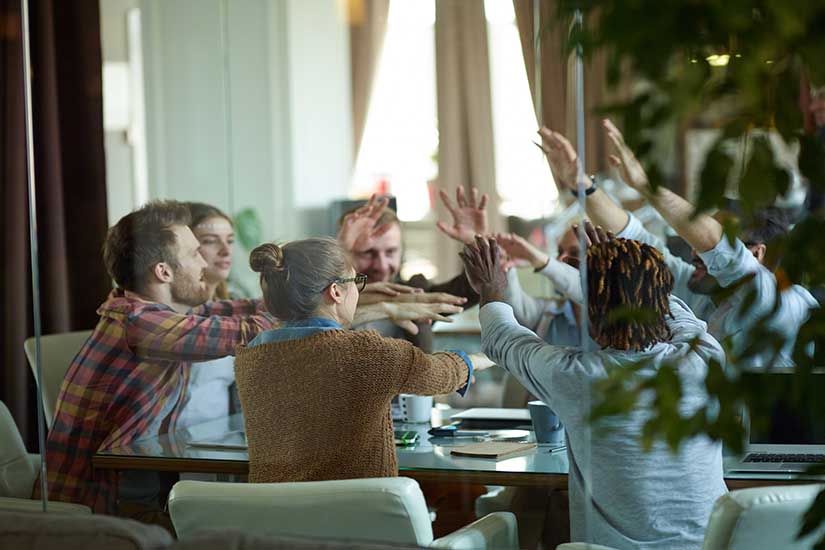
(249,231)
(737,66)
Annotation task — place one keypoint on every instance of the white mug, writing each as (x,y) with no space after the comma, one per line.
(415,408)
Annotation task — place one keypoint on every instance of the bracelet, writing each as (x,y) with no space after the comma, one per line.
(589,191)
(540,269)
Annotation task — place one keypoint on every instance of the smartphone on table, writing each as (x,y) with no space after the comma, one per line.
(405,438)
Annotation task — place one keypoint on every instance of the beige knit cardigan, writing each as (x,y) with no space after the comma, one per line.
(318,408)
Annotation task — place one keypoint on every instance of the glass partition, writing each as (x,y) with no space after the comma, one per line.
(582,370)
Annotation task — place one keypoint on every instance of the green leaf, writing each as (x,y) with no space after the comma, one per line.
(248,228)
(814,516)
(762,180)
(714,178)
(812,160)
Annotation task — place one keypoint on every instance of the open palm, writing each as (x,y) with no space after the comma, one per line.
(360,225)
(624,160)
(469,215)
(562,157)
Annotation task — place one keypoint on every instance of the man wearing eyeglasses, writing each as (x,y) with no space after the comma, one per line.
(372,234)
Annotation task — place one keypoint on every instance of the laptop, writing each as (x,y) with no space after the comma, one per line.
(791,440)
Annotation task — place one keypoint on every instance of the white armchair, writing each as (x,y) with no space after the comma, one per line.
(57,352)
(18,471)
(761,518)
(378,509)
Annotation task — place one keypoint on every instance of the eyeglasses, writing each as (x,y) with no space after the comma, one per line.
(360,281)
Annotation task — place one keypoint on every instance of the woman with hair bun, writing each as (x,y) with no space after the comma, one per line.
(316,395)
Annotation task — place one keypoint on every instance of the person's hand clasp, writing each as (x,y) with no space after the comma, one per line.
(484,267)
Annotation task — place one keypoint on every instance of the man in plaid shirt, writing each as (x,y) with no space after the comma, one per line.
(128,381)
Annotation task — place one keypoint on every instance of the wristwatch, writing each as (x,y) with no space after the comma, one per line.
(589,191)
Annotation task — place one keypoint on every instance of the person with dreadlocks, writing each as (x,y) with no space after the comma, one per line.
(640,498)
(717,263)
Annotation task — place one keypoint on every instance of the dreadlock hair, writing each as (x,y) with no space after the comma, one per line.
(628,285)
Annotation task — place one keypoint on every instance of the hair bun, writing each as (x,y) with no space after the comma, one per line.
(267,258)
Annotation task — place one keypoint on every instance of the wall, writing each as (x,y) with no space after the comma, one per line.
(247,106)
(119,167)
(320,107)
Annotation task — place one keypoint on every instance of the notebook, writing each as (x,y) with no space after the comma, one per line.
(493,449)
(792,440)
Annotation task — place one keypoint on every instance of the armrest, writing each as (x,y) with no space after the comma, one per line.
(10,504)
(582,546)
(34,460)
(496,530)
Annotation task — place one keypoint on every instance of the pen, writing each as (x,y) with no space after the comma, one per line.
(458,433)
(451,431)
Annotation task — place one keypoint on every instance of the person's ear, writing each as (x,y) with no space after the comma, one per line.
(334,293)
(759,251)
(162,272)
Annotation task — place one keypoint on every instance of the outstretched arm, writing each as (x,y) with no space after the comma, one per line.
(565,278)
(405,314)
(564,162)
(702,232)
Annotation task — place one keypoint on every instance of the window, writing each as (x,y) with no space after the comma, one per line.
(400,142)
(523,178)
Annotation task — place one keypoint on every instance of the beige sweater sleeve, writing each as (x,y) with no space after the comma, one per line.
(430,374)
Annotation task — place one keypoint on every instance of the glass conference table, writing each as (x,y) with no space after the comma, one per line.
(218,447)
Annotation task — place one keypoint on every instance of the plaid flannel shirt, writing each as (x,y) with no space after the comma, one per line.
(133,363)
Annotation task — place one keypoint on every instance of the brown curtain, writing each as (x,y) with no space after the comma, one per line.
(465,119)
(558,92)
(368,26)
(71,187)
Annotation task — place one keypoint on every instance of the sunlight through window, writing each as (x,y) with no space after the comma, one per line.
(400,143)
(523,178)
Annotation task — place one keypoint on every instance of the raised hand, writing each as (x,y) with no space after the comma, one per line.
(595,234)
(624,160)
(519,249)
(469,215)
(360,225)
(405,314)
(483,266)
(564,162)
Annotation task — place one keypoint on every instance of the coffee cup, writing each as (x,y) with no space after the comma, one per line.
(415,408)
(546,423)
